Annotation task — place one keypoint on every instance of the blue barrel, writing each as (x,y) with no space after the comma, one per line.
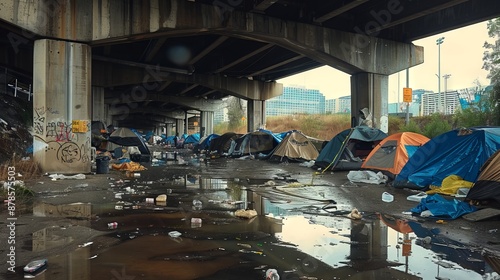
(102,165)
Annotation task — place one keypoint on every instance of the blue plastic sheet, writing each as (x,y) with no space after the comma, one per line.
(443,208)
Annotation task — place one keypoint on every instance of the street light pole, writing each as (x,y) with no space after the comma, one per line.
(446,77)
(439,42)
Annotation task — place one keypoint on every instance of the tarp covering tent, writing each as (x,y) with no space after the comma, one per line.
(254,143)
(222,144)
(295,146)
(126,137)
(192,139)
(392,153)
(459,152)
(170,140)
(487,186)
(204,143)
(347,149)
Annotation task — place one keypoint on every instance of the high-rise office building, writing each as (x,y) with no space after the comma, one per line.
(296,100)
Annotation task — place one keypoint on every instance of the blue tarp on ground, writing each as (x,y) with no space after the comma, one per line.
(443,208)
(334,150)
(459,152)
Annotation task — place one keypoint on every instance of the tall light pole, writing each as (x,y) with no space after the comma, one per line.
(446,77)
(439,42)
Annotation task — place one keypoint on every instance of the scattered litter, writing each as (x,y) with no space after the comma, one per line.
(307,163)
(248,246)
(118,195)
(355,215)
(367,176)
(161,198)
(112,225)
(250,252)
(197,204)
(272,274)
(294,185)
(269,183)
(93,257)
(492,230)
(417,197)
(387,197)
(61,177)
(150,200)
(174,234)
(86,244)
(35,266)
(118,207)
(245,213)
(440,222)
(195,222)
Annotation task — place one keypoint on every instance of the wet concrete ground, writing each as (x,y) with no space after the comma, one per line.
(301,228)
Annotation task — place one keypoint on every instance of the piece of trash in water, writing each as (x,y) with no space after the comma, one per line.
(112,225)
(248,246)
(492,230)
(36,266)
(119,207)
(93,257)
(174,234)
(250,252)
(195,222)
(85,244)
(272,274)
(150,200)
(269,183)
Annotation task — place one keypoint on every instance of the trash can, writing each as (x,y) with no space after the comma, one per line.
(102,165)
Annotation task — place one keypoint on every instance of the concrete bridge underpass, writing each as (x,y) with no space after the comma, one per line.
(155,63)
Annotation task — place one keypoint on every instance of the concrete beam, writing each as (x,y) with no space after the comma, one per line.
(152,77)
(168,114)
(126,103)
(339,11)
(349,52)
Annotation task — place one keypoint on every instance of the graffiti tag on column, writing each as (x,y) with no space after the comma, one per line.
(39,120)
(69,152)
(62,131)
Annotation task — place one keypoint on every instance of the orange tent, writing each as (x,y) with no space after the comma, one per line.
(392,153)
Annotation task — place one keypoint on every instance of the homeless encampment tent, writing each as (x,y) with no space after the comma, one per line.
(222,144)
(254,143)
(347,149)
(192,139)
(459,152)
(295,146)
(126,137)
(487,186)
(392,153)
(204,143)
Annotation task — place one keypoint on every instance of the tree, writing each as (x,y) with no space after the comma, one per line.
(491,63)
(234,112)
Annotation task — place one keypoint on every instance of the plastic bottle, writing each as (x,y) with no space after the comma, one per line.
(272,274)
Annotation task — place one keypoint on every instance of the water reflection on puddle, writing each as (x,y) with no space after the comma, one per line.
(222,246)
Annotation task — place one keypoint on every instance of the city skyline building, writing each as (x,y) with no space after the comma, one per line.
(296,100)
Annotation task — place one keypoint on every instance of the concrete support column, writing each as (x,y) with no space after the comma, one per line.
(61,106)
(370,91)
(256,115)
(186,123)
(207,123)
(180,127)
(98,107)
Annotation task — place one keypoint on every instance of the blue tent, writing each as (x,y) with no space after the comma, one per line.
(192,139)
(205,143)
(459,152)
(348,148)
(168,139)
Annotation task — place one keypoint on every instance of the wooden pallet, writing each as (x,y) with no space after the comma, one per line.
(482,214)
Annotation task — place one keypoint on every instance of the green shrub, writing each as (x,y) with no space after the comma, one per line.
(436,126)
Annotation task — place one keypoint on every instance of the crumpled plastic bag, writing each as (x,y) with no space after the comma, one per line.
(60,176)
(129,166)
(367,176)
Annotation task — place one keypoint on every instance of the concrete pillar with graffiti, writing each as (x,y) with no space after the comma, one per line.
(61,106)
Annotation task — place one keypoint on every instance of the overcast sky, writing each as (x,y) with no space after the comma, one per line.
(461,57)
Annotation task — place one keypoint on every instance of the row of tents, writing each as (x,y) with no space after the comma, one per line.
(410,159)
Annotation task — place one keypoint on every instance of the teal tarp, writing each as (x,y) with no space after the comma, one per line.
(459,152)
(335,150)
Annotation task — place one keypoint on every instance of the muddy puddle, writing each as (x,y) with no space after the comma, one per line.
(196,227)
